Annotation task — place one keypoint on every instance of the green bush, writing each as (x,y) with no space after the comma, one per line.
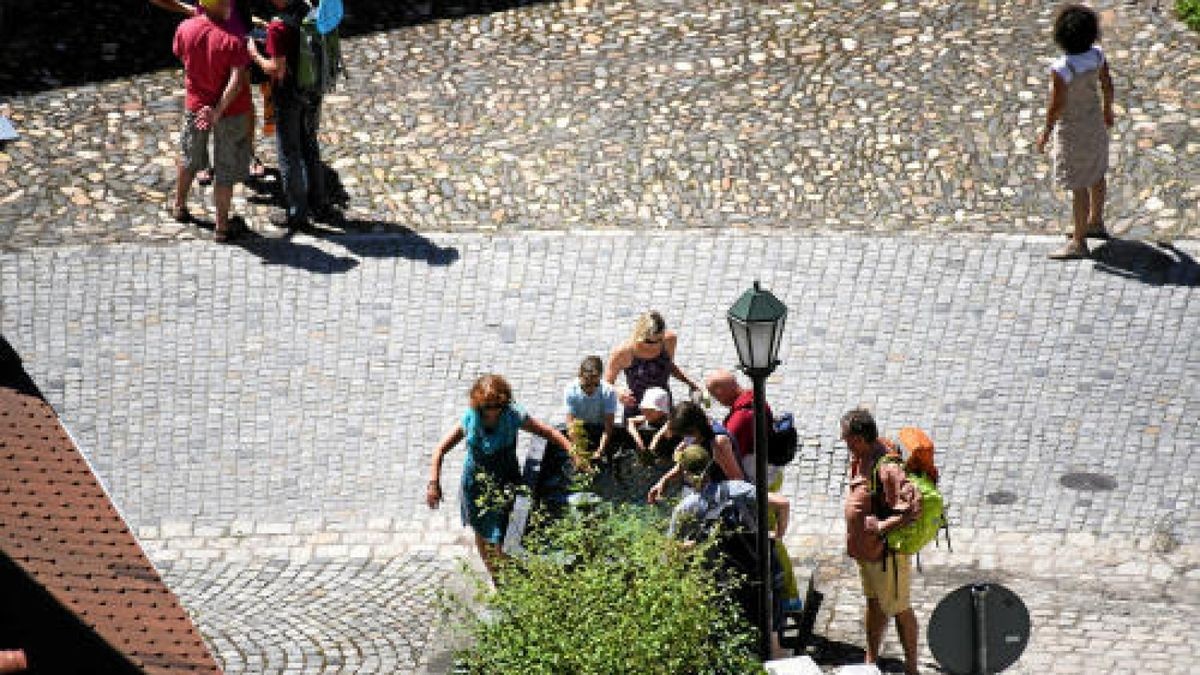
(1189,12)
(606,593)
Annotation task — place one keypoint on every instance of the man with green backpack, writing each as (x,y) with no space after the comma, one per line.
(298,59)
(880,500)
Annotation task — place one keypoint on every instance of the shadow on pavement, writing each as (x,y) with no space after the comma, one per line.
(383,239)
(1162,265)
(46,45)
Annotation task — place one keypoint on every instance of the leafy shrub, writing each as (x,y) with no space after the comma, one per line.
(1189,13)
(609,592)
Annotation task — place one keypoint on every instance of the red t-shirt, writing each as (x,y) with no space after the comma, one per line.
(210,54)
(740,423)
(281,42)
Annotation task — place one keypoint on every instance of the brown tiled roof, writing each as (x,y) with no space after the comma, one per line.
(80,594)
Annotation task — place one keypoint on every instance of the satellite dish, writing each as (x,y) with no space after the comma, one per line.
(979,629)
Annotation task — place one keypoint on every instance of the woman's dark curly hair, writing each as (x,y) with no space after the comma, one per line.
(1076,28)
(688,418)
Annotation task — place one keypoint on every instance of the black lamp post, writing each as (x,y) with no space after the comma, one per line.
(756,321)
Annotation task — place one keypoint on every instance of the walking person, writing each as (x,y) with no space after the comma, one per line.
(217,103)
(879,498)
(647,359)
(297,116)
(489,427)
(1078,117)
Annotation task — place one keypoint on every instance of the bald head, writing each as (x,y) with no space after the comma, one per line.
(723,386)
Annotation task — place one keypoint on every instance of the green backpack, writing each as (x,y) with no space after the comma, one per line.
(919,470)
(318,57)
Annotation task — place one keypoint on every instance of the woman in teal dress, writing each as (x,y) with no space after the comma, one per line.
(490,428)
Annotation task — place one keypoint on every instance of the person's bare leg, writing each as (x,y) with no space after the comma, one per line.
(1079,213)
(875,621)
(183,185)
(222,198)
(907,627)
(1096,195)
(490,554)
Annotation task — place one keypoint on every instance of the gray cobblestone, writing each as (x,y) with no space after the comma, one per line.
(666,114)
(241,412)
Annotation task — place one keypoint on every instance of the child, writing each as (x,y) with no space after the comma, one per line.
(1077,123)
(594,402)
(650,428)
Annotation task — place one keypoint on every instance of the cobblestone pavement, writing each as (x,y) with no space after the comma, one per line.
(277,402)
(668,114)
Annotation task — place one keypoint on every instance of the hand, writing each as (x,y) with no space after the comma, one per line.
(433,494)
(871,525)
(1043,138)
(206,117)
(655,493)
(627,398)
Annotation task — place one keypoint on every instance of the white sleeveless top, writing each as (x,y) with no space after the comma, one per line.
(1080,63)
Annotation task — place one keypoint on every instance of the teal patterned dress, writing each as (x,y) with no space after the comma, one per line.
(491,461)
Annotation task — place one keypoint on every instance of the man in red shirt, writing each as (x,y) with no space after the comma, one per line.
(874,505)
(218,102)
(723,386)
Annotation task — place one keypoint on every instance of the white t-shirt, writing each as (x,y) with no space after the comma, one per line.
(1082,63)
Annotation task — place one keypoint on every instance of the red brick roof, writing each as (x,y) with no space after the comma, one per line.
(85,597)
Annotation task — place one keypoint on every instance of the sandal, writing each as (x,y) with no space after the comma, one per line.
(1071,251)
(204,177)
(234,229)
(258,170)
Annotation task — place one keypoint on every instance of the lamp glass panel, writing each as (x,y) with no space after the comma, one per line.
(741,340)
(762,342)
(778,338)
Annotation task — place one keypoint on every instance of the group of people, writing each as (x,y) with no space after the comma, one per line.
(218,44)
(714,458)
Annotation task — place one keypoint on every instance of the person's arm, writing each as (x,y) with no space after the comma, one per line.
(177,6)
(899,494)
(631,425)
(670,340)
(275,66)
(724,457)
(433,491)
(606,436)
(619,360)
(656,490)
(536,426)
(663,434)
(1058,100)
(782,507)
(209,115)
(1106,90)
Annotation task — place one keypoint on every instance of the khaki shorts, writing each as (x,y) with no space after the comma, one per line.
(231,148)
(891,586)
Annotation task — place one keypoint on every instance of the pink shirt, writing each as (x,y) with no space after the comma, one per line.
(210,54)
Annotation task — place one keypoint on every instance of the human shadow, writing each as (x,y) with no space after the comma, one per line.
(66,43)
(826,652)
(283,250)
(1161,265)
(364,238)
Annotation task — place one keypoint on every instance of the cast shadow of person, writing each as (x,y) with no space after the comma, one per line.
(1161,265)
(365,238)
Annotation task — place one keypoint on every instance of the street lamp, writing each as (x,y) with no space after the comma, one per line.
(756,321)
